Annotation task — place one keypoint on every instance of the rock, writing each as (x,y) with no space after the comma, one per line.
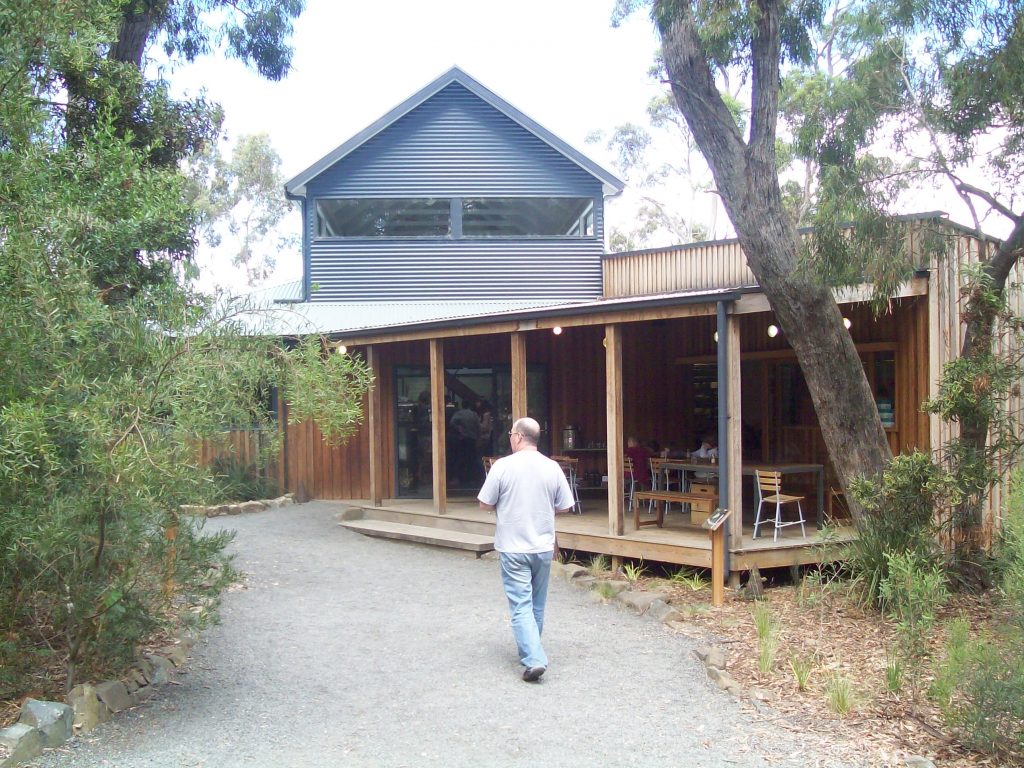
(89,710)
(162,669)
(234,509)
(131,684)
(143,694)
(724,680)
(584,581)
(176,654)
(137,674)
(573,570)
(252,506)
(662,611)
(285,501)
(186,641)
(54,720)
(114,694)
(22,741)
(711,655)
(761,694)
(638,601)
(916,761)
(192,510)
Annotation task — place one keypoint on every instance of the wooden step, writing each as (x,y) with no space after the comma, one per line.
(438,537)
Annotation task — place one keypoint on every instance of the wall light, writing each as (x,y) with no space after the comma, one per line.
(557,330)
(847,323)
(716,337)
(773,331)
(341,349)
(604,342)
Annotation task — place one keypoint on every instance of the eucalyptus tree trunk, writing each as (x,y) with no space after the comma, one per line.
(747,180)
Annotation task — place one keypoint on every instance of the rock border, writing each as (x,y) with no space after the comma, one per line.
(219,510)
(657,605)
(46,724)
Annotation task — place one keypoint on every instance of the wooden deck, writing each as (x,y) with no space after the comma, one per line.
(678,542)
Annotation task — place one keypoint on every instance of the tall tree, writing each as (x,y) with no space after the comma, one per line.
(243,207)
(856,88)
(698,39)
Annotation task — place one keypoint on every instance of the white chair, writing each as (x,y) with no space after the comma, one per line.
(769,491)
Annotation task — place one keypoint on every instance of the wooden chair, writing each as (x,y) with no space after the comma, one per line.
(628,482)
(488,461)
(569,466)
(837,512)
(769,491)
(660,480)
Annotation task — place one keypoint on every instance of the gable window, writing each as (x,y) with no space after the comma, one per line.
(383,217)
(527,217)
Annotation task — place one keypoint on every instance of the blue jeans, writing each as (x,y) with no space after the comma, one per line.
(525,577)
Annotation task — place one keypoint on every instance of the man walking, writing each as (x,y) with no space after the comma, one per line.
(526,490)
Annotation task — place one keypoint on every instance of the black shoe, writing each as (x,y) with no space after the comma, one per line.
(532,674)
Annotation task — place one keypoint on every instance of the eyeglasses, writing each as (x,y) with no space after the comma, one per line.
(515,433)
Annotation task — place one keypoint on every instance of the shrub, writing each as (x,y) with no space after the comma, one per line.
(238,481)
(898,517)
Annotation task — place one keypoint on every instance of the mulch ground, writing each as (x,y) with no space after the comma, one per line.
(825,629)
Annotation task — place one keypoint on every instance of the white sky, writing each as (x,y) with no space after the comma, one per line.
(559,61)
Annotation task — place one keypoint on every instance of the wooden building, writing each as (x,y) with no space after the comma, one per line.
(459,247)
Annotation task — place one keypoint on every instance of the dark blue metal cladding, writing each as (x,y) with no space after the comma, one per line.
(454,145)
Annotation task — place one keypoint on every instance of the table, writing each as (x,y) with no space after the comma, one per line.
(784,468)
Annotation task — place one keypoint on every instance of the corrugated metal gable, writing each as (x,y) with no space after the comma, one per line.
(454,144)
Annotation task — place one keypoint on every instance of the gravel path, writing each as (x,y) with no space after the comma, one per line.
(341,650)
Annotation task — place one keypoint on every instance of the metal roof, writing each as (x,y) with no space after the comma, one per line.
(263,316)
(612,185)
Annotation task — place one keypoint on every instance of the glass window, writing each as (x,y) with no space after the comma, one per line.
(527,217)
(383,217)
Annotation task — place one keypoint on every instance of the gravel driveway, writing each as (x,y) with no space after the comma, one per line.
(341,650)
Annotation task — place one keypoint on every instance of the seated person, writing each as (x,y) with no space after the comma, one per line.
(641,461)
(708,451)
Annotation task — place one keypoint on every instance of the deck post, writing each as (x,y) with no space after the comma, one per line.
(718,566)
(437,436)
(730,449)
(519,389)
(373,425)
(616,449)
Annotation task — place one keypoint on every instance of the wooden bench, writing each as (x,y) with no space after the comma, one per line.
(703,499)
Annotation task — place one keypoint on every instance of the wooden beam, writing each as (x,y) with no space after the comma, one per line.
(634,315)
(374,424)
(616,449)
(519,389)
(437,426)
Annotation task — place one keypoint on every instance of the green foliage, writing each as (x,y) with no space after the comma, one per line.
(911,592)
(598,565)
(899,509)
(767,626)
(802,669)
(605,590)
(894,672)
(113,369)
(633,571)
(240,481)
(692,578)
(840,694)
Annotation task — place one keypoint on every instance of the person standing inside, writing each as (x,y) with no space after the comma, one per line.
(526,490)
